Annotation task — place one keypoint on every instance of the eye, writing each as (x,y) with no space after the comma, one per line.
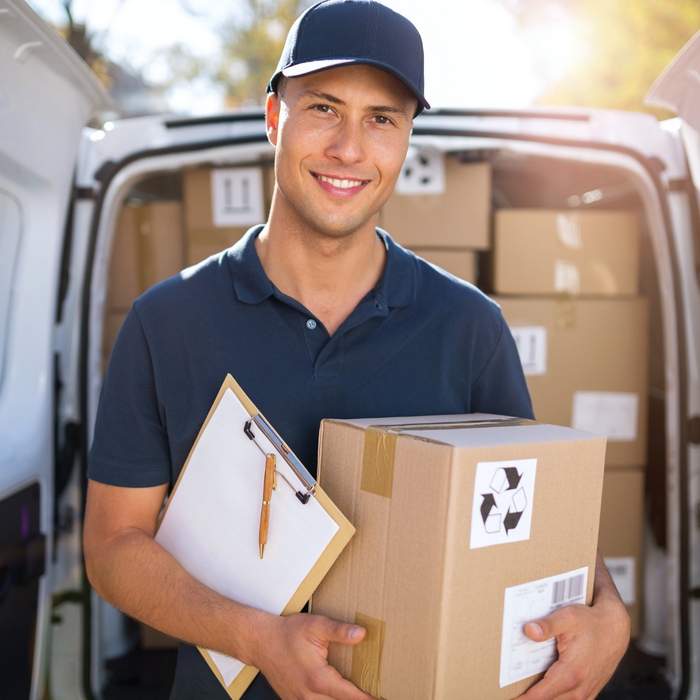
(382,119)
(325,109)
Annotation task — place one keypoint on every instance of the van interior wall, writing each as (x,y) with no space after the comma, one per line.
(166,224)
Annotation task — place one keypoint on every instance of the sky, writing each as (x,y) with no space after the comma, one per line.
(475,54)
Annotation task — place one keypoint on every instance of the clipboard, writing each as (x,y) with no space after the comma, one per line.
(216,493)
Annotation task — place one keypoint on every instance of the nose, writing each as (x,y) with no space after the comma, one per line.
(347,144)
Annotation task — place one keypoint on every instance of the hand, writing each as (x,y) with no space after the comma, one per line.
(591,642)
(293,657)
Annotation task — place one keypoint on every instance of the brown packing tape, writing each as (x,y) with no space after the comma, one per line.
(367,655)
(378,461)
(380,448)
(565,314)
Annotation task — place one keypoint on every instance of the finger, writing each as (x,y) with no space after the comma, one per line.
(557,683)
(333,685)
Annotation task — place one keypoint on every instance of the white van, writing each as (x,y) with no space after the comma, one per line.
(63,189)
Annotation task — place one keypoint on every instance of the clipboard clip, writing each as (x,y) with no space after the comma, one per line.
(289,457)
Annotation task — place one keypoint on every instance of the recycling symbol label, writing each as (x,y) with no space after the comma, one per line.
(503,500)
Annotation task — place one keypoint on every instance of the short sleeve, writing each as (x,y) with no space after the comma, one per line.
(130,445)
(501,388)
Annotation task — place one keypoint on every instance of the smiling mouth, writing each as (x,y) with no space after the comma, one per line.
(342,184)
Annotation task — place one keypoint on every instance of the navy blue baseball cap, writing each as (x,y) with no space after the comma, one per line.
(345,32)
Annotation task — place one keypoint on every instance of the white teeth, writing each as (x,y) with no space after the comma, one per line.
(343,184)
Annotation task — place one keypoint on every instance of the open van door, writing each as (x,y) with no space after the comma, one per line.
(678,89)
(47,95)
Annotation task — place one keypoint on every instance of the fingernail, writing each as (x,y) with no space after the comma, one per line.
(355,632)
(536,629)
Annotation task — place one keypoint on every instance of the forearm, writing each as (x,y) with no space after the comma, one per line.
(135,574)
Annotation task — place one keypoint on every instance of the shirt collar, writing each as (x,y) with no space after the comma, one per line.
(397,286)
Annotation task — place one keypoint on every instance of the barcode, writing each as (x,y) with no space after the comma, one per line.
(567,589)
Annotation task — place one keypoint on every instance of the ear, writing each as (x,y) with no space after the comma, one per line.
(272,114)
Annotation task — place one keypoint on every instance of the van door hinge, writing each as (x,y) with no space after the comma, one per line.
(694,430)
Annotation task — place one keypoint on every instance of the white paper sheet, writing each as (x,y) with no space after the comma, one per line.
(212,523)
(520,656)
(609,413)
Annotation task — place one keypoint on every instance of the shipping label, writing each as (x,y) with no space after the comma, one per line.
(531,342)
(237,196)
(504,494)
(609,413)
(423,172)
(622,570)
(520,656)
(567,278)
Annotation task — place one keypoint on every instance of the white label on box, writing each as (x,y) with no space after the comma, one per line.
(504,494)
(423,172)
(606,413)
(237,196)
(520,656)
(566,277)
(569,230)
(532,348)
(622,570)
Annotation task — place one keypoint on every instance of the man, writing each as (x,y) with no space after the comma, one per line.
(317,314)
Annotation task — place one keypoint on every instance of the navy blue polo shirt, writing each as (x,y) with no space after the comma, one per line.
(422,342)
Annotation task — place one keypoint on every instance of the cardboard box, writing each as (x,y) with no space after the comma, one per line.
(124,283)
(460,263)
(540,251)
(620,538)
(585,362)
(112,323)
(448,516)
(148,248)
(206,232)
(457,218)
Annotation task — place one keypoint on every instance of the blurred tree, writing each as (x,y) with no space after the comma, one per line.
(626,44)
(83,41)
(252,40)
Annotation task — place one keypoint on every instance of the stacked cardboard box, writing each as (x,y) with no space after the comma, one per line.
(567,284)
(449,227)
(467,528)
(221,204)
(147,248)
(154,240)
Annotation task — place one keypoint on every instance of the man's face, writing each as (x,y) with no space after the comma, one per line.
(341,138)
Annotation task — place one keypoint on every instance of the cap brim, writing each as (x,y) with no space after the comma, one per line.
(317,66)
(313,67)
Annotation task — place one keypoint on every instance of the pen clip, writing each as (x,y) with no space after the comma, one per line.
(298,469)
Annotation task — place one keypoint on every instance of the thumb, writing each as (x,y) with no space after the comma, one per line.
(343,632)
(540,630)
(562,621)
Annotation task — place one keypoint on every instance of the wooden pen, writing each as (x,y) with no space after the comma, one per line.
(268,485)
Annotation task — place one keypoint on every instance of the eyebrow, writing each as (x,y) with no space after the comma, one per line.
(326,97)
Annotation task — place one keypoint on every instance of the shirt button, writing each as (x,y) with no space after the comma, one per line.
(311,324)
